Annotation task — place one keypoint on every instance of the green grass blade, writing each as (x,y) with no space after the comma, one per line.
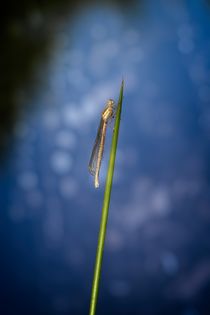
(105,209)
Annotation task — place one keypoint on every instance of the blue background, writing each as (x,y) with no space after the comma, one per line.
(157,253)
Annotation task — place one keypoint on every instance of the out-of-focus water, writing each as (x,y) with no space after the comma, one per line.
(157,255)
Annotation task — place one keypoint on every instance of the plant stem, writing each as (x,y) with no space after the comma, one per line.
(105,209)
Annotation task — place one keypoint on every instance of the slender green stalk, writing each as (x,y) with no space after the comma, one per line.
(105,209)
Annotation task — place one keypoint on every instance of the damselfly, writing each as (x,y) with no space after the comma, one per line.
(98,148)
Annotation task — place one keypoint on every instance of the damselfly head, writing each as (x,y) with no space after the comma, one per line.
(110,103)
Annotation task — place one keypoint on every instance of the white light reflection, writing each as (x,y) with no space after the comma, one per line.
(61,162)
(131,37)
(191,283)
(65,139)
(28,180)
(51,119)
(76,57)
(185,34)
(185,45)
(114,240)
(185,31)
(135,54)
(77,78)
(98,31)
(72,115)
(34,198)
(185,187)
(148,200)
(169,262)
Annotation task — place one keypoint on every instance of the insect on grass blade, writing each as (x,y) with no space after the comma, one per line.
(98,148)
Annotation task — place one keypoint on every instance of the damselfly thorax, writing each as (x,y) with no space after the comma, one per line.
(108,111)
